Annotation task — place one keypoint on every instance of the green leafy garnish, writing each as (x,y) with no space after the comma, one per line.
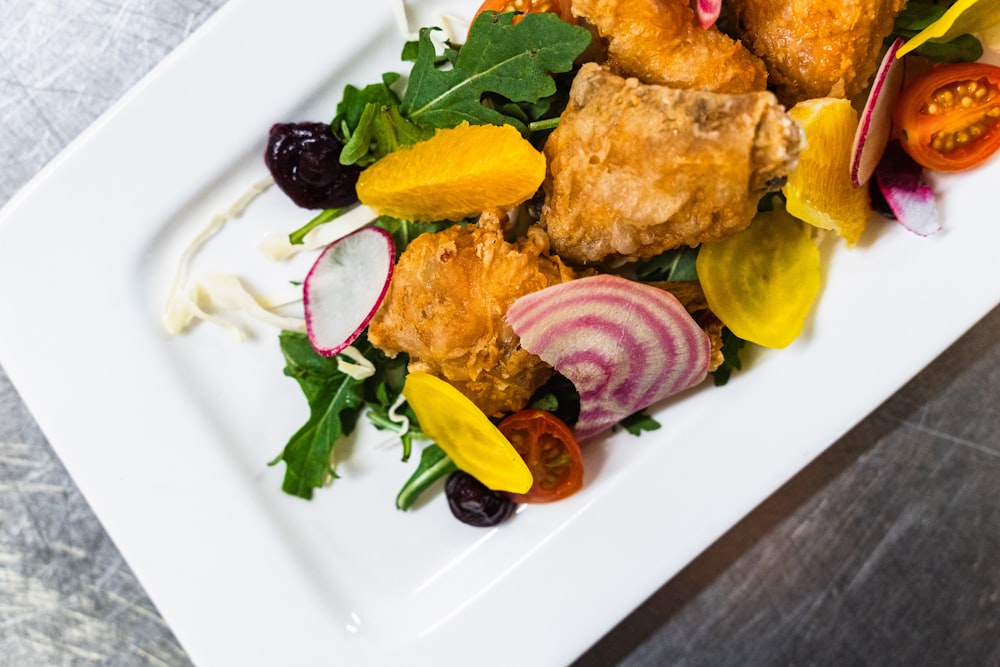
(336,399)
(917,16)
(404,231)
(731,346)
(323,217)
(380,130)
(500,62)
(639,422)
(560,397)
(434,464)
(672,265)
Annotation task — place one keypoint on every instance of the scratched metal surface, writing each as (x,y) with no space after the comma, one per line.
(884,551)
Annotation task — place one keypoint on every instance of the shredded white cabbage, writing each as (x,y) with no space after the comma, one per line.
(181,307)
(454,26)
(396,417)
(219,293)
(278,248)
(351,362)
(403,19)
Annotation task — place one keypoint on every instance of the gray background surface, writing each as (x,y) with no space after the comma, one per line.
(884,551)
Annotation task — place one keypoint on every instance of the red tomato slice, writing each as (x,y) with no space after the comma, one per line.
(558,7)
(949,118)
(551,452)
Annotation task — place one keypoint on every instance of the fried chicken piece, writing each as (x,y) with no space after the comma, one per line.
(634,170)
(816,48)
(661,42)
(446,309)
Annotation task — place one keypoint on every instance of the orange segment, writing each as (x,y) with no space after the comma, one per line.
(457,173)
(762,282)
(820,191)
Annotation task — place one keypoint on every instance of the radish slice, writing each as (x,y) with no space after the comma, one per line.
(623,344)
(708,12)
(345,287)
(876,119)
(901,181)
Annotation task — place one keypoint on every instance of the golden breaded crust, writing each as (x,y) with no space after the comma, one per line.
(661,42)
(446,309)
(816,48)
(635,169)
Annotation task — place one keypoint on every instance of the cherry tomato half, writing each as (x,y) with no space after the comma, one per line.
(949,118)
(558,7)
(548,447)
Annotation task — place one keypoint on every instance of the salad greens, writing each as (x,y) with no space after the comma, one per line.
(336,400)
(502,74)
(501,62)
(919,14)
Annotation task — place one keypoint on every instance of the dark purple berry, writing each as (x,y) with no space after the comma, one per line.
(473,503)
(304,159)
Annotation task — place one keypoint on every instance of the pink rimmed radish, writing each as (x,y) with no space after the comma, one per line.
(623,344)
(900,182)
(345,287)
(708,12)
(872,134)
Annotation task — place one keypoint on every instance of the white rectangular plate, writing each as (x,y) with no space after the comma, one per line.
(169,437)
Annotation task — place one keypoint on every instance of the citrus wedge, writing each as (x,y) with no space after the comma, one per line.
(820,191)
(466,435)
(457,173)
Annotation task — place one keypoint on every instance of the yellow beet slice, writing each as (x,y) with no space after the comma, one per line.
(457,173)
(762,282)
(466,435)
(820,191)
(965,16)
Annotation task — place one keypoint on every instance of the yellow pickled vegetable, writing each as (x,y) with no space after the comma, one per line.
(762,282)
(820,191)
(457,173)
(466,435)
(963,17)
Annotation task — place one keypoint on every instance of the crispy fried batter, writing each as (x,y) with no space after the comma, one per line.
(661,42)
(816,48)
(635,170)
(446,308)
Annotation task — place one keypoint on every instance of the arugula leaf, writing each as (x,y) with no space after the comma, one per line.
(919,15)
(434,464)
(676,264)
(354,100)
(638,422)
(326,215)
(560,397)
(335,401)
(380,130)
(381,393)
(512,61)
(404,231)
(731,346)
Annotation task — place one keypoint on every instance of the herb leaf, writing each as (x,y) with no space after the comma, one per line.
(638,422)
(676,264)
(731,346)
(434,464)
(335,401)
(500,58)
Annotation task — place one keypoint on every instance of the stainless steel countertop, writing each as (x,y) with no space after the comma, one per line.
(884,551)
